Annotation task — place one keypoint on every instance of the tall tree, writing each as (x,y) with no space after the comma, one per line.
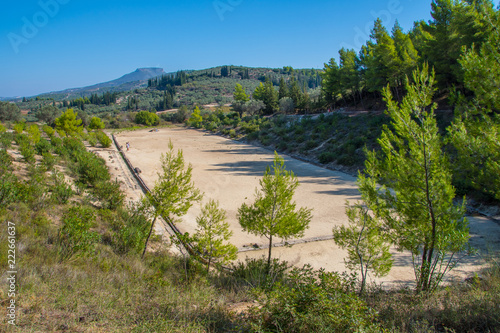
(416,197)
(330,87)
(274,214)
(283,91)
(174,192)
(476,132)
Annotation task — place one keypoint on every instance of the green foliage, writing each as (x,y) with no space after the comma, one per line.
(96,124)
(273,213)
(61,191)
(92,139)
(367,246)
(6,140)
(9,112)
(313,301)
(68,125)
(48,161)
(416,197)
(43,146)
(34,134)
(109,194)
(103,139)
(9,187)
(147,118)
(195,120)
(173,193)
(19,127)
(131,229)
(28,152)
(75,237)
(3,129)
(212,236)
(48,130)
(240,95)
(5,161)
(267,94)
(48,114)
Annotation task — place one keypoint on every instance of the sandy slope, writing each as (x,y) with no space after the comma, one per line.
(229,171)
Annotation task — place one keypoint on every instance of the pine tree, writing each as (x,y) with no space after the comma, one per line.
(212,236)
(416,197)
(283,91)
(174,192)
(274,214)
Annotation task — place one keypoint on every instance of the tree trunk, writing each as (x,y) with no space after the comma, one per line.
(269,256)
(147,239)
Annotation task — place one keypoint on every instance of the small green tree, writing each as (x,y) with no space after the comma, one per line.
(68,124)
(239,94)
(34,134)
(367,246)
(274,214)
(212,235)
(173,193)
(96,124)
(195,120)
(416,197)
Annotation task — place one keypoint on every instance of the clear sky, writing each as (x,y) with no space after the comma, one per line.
(51,45)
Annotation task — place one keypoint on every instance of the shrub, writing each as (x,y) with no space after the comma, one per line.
(43,146)
(92,139)
(48,161)
(147,118)
(5,161)
(19,127)
(91,169)
(34,134)
(28,153)
(326,157)
(257,274)
(6,140)
(48,130)
(131,229)
(311,144)
(313,301)
(109,194)
(104,139)
(61,192)
(75,237)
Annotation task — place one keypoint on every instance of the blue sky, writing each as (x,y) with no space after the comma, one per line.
(51,45)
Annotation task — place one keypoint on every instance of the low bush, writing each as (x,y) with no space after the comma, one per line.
(75,237)
(326,157)
(313,301)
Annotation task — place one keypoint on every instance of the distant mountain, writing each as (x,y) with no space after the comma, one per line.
(134,80)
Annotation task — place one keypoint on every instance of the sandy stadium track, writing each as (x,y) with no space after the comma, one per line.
(229,172)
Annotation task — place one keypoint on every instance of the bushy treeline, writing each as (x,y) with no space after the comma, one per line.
(388,57)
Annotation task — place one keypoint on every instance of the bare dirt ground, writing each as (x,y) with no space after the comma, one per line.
(229,172)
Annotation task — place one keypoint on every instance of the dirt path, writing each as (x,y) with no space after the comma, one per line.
(230,171)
